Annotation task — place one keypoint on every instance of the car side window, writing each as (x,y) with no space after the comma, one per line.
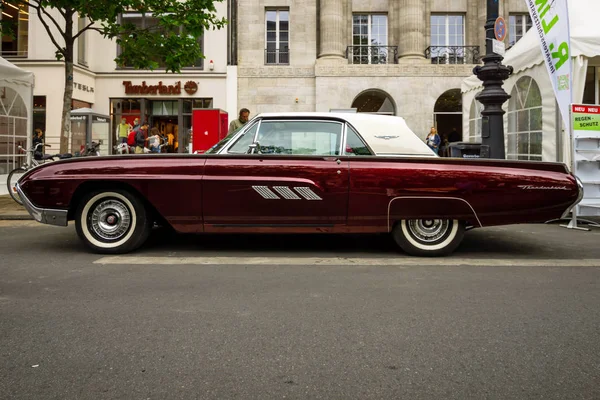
(242,143)
(354,144)
(314,138)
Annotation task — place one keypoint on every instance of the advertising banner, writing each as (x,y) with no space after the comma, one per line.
(585,128)
(551,21)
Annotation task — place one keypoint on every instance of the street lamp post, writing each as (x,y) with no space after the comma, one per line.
(493,74)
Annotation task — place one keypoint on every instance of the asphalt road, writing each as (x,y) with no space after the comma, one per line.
(323,325)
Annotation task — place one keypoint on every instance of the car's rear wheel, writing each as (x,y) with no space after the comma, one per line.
(113,221)
(429,237)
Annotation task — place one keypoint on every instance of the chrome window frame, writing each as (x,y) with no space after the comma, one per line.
(225,150)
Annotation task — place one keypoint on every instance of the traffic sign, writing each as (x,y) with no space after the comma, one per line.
(500,29)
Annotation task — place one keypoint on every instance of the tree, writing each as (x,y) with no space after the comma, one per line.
(170,40)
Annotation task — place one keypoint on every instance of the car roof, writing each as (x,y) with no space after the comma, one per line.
(385,134)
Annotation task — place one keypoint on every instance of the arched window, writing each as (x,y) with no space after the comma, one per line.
(13,129)
(374,101)
(448,115)
(524,131)
(475,121)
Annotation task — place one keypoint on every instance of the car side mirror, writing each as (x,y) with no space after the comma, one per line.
(254,148)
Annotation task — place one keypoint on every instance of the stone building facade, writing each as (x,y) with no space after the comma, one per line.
(399,57)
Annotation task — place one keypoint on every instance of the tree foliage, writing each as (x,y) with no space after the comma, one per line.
(171,39)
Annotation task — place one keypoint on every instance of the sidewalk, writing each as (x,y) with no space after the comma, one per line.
(9,209)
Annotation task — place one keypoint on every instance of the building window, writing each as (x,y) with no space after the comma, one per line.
(448,39)
(13,129)
(81,42)
(524,131)
(15,18)
(369,39)
(475,121)
(518,25)
(277,37)
(145,21)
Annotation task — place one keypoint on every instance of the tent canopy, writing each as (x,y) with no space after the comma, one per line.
(526,53)
(10,73)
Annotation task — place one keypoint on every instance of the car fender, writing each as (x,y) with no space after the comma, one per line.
(424,207)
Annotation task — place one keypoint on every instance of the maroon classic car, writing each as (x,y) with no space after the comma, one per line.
(299,173)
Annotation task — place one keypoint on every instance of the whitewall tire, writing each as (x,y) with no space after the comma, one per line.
(112,221)
(429,237)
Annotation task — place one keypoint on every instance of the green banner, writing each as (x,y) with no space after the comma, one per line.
(586,122)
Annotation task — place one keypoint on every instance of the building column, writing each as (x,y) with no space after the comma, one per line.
(413,29)
(333,43)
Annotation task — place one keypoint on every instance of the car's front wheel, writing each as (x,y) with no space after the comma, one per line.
(429,237)
(113,221)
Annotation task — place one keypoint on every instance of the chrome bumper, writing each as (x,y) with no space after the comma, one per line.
(579,198)
(43,215)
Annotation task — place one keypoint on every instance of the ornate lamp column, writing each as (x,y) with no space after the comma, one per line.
(493,74)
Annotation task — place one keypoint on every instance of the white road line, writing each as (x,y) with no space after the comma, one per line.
(399,261)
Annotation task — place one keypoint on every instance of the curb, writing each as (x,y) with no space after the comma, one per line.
(15,217)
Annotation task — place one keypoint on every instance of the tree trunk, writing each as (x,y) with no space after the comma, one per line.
(66,111)
(68,94)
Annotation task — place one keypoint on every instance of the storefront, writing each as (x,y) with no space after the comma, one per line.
(166,104)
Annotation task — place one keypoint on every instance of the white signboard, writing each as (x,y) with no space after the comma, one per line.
(498,47)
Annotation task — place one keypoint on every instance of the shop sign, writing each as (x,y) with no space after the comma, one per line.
(190,87)
(144,88)
(84,88)
(99,119)
(78,117)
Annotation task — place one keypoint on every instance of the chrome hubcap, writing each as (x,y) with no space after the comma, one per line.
(110,219)
(428,230)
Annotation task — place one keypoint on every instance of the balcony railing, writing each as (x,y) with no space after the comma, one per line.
(372,54)
(453,54)
(277,57)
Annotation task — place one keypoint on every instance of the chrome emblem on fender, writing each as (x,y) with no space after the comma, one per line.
(532,187)
(387,137)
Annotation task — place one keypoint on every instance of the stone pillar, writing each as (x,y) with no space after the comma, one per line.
(333,43)
(413,29)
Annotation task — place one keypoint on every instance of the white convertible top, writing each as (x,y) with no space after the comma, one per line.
(386,135)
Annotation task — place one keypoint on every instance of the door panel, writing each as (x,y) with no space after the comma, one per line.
(275,192)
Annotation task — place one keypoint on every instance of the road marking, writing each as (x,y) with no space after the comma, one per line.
(308,261)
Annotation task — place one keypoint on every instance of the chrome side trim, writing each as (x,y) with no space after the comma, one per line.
(43,215)
(307,193)
(579,198)
(431,197)
(286,193)
(266,193)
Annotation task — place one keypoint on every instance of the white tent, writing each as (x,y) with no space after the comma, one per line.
(526,59)
(21,82)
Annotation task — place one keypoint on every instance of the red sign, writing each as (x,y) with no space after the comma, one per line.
(586,109)
(500,29)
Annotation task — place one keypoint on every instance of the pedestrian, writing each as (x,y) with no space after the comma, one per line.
(154,140)
(236,124)
(141,137)
(124,129)
(38,138)
(433,140)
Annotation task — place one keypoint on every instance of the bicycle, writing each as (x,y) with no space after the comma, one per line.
(17,173)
